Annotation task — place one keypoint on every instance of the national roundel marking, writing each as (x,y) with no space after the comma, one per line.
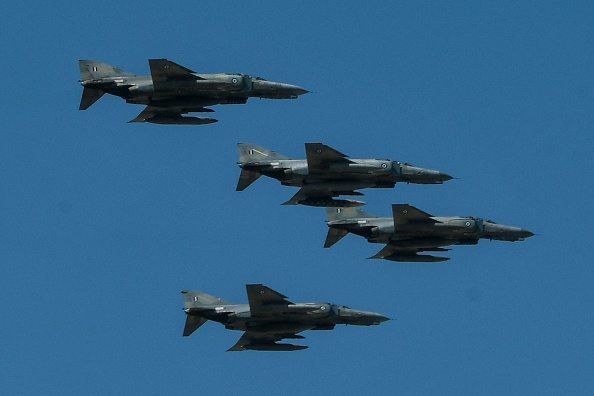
(467,224)
(323,308)
(384,166)
(234,80)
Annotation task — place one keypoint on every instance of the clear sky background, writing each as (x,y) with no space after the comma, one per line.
(103,223)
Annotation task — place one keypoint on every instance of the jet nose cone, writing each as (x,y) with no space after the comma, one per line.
(293,90)
(275,90)
(377,318)
(418,175)
(301,91)
(525,234)
(382,318)
(506,233)
(443,177)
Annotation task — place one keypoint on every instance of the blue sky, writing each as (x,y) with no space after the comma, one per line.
(104,222)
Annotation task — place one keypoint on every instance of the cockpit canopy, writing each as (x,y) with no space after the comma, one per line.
(255,78)
(479,219)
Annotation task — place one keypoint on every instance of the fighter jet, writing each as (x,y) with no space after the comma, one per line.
(410,231)
(172,90)
(269,317)
(328,173)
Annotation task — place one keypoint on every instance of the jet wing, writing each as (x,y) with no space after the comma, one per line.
(403,213)
(300,196)
(172,115)
(328,193)
(319,156)
(394,253)
(259,296)
(163,70)
(150,112)
(265,342)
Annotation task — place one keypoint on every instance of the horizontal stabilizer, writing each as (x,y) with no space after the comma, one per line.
(89,96)
(246,178)
(334,235)
(192,324)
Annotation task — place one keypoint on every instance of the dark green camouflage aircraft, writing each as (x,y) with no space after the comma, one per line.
(410,231)
(269,317)
(328,173)
(172,90)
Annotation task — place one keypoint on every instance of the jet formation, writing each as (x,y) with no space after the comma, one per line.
(327,173)
(410,231)
(269,317)
(173,90)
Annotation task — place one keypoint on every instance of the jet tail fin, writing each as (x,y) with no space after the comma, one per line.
(347,213)
(252,153)
(92,70)
(196,299)
(90,96)
(246,178)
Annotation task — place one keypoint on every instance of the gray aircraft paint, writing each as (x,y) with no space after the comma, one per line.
(410,231)
(327,173)
(269,317)
(173,90)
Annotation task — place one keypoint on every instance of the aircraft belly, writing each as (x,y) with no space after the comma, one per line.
(336,185)
(278,327)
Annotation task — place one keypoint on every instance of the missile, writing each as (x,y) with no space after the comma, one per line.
(331,203)
(416,258)
(181,120)
(275,347)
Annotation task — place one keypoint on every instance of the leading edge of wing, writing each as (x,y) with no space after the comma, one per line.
(265,342)
(319,154)
(163,69)
(158,115)
(403,213)
(260,295)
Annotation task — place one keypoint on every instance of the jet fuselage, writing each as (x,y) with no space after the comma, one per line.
(443,232)
(205,90)
(356,174)
(286,318)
